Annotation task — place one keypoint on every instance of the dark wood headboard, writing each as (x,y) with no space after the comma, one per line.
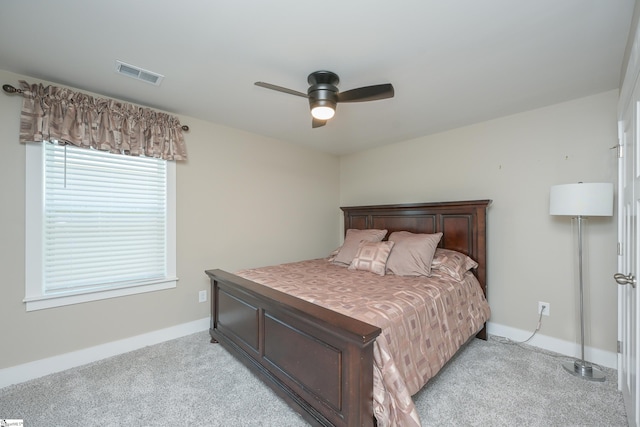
(463,225)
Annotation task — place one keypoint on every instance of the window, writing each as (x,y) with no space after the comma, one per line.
(98,225)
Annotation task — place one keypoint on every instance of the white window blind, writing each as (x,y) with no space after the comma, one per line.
(104,220)
(98,225)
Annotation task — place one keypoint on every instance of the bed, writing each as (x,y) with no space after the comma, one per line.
(319,359)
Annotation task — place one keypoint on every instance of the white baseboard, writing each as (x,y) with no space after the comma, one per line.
(50,365)
(604,358)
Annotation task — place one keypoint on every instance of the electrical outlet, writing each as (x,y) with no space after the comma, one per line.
(547,308)
(202,296)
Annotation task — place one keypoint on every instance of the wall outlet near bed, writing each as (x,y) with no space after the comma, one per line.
(546,306)
(202,296)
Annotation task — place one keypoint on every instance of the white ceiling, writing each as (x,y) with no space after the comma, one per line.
(452,62)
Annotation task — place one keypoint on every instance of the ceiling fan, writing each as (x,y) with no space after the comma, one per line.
(324,96)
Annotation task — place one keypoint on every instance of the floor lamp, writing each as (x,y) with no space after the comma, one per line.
(582,200)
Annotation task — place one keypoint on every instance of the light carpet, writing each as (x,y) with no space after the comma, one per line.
(190,382)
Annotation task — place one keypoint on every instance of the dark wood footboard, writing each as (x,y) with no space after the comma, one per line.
(318,360)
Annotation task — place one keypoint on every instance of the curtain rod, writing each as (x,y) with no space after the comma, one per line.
(10,90)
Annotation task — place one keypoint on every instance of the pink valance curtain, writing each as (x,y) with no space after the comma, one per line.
(54,113)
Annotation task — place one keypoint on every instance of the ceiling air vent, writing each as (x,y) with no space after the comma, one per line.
(138,73)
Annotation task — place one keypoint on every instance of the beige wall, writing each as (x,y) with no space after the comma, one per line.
(243,200)
(514,161)
(246,200)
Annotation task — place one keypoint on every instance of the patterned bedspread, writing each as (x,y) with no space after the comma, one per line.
(424,321)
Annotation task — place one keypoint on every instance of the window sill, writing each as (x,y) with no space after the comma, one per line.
(60,299)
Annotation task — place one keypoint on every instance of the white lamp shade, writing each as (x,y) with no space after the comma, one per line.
(582,199)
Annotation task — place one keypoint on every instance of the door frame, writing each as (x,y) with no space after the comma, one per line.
(629,99)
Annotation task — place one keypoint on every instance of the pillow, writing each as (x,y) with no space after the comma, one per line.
(412,253)
(453,263)
(352,239)
(372,256)
(333,255)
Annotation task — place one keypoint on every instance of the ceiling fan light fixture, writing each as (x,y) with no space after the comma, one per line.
(322,109)
(323,112)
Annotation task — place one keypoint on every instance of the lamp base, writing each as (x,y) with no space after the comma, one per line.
(584,370)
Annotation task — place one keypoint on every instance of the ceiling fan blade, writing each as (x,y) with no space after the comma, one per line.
(281,89)
(367,93)
(316,123)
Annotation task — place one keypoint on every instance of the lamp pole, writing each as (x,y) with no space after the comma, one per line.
(582,368)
